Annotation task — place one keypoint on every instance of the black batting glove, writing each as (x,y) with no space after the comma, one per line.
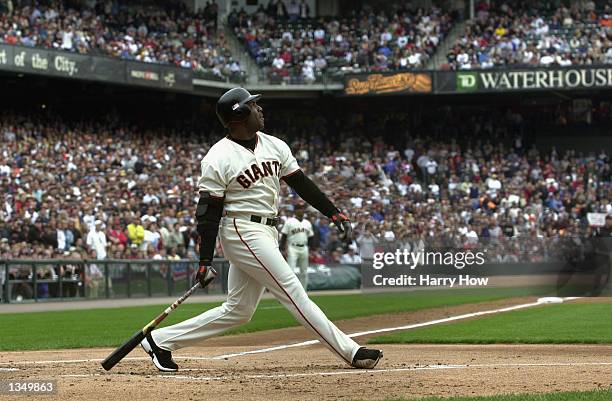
(344,226)
(205,273)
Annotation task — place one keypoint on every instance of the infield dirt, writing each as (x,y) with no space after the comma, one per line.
(313,373)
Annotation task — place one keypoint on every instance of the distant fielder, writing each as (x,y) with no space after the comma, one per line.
(241,175)
(295,234)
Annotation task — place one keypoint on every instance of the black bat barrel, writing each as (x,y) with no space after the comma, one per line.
(122,351)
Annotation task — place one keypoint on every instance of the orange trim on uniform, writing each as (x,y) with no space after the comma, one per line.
(286,293)
(213,196)
(290,174)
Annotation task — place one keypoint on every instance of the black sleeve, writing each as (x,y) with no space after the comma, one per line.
(208,216)
(309,191)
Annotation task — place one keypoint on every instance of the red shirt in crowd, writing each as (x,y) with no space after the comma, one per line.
(120,235)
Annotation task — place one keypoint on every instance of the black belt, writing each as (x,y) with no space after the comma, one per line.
(300,245)
(269,220)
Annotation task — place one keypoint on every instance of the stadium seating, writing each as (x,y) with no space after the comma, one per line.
(167,34)
(304,49)
(524,34)
(59,177)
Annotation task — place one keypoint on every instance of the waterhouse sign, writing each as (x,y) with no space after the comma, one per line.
(376,84)
(524,80)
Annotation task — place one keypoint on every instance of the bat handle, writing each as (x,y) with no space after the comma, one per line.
(211,274)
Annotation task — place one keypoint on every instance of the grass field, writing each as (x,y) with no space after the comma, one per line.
(562,323)
(600,395)
(110,327)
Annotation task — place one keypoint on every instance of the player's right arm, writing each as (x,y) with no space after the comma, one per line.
(209,210)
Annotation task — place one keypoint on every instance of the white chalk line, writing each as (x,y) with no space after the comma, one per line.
(350,371)
(385,330)
(309,342)
(8,369)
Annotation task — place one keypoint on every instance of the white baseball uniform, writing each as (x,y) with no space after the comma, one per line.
(297,233)
(250,182)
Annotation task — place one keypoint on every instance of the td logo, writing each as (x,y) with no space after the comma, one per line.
(466,81)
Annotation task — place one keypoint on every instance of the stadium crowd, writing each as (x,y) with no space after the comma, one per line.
(289,44)
(526,33)
(157,32)
(112,190)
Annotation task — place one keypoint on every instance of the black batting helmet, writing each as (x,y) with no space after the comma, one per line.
(232,106)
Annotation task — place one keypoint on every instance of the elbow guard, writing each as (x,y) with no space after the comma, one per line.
(208,212)
(208,215)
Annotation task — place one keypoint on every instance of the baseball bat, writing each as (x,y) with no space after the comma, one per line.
(120,353)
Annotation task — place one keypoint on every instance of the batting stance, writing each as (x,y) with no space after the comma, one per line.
(295,233)
(241,174)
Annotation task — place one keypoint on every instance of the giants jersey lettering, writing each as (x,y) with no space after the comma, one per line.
(297,232)
(249,180)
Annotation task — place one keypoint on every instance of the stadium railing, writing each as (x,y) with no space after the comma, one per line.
(70,279)
(24,280)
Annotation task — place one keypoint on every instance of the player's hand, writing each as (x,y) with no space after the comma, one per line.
(205,273)
(344,225)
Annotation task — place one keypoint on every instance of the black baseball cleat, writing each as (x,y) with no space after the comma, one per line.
(161,358)
(366,358)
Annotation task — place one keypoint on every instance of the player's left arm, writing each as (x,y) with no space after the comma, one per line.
(310,192)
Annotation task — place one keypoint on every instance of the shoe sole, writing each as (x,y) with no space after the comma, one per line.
(147,348)
(369,363)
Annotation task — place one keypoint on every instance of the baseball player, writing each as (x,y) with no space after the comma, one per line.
(239,194)
(295,235)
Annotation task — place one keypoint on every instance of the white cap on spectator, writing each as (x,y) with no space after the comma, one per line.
(389,235)
(98,222)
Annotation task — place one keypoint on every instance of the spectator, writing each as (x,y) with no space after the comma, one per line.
(350,258)
(367,243)
(136,232)
(94,278)
(171,237)
(116,235)
(96,240)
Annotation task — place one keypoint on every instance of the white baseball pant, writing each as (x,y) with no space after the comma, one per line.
(255,263)
(297,257)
